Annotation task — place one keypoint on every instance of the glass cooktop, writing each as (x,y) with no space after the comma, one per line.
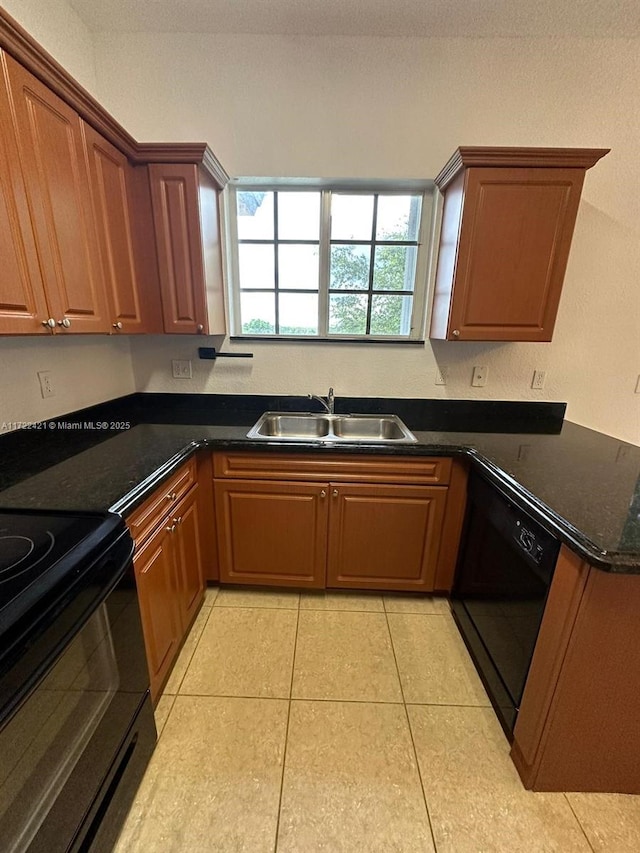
(39,550)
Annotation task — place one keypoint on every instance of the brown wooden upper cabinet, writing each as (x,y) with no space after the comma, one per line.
(23,306)
(185,213)
(507,223)
(122,206)
(48,142)
(98,233)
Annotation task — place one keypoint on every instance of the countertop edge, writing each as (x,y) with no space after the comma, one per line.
(569,535)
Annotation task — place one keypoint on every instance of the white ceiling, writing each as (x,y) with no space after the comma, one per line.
(467,18)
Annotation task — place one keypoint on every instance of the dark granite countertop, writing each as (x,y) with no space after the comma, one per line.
(581,485)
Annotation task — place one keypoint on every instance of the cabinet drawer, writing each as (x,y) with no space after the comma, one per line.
(145,518)
(420,470)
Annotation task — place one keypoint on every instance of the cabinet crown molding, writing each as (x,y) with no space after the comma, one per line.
(498,157)
(19,44)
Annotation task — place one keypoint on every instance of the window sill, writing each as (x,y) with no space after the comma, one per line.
(273,339)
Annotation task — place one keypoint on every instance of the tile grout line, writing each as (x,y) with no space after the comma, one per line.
(286,732)
(584,832)
(406,714)
(166,719)
(186,669)
(296,699)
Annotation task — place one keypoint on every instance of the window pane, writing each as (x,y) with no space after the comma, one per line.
(256,266)
(298,313)
(255,215)
(391,315)
(394,268)
(258,312)
(351,217)
(350,267)
(398,217)
(299,216)
(347,314)
(298,267)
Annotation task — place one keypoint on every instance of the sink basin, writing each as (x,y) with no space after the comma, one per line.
(331,429)
(273,425)
(370,428)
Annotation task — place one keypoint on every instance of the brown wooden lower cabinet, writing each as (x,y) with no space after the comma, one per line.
(348,534)
(384,537)
(168,565)
(272,533)
(186,540)
(577,729)
(154,568)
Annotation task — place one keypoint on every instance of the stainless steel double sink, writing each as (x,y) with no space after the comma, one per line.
(331,429)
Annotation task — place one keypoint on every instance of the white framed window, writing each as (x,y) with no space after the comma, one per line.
(325,260)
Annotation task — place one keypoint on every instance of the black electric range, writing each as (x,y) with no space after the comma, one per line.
(38,551)
(76,723)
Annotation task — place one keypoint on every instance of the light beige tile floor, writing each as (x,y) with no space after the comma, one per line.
(432,661)
(344,723)
(244,651)
(345,655)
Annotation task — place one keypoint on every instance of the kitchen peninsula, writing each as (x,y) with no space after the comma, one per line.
(582,486)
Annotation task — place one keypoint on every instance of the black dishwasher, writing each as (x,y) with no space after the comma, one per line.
(504,572)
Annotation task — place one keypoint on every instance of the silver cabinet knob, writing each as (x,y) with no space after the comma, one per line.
(65,323)
(199,328)
(456,333)
(173,496)
(50,323)
(177,520)
(117,325)
(323,493)
(335,493)
(170,529)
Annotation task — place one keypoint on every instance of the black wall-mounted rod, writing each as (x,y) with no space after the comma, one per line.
(210,353)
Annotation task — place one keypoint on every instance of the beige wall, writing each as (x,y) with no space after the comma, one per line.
(304,106)
(58,28)
(84,370)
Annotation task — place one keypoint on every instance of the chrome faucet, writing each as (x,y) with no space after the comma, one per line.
(328,403)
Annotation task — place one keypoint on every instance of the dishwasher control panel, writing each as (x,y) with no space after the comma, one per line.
(527,540)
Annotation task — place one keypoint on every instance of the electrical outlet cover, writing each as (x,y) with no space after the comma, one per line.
(537,383)
(181,369)
(46,383)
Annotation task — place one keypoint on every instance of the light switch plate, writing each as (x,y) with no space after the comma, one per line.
(479,378)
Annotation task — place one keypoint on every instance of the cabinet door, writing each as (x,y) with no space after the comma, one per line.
(513,249)
(272,533)
(384,537)
(176,214)
(23,308)
(133,306)
(157,594)
(188,557)
(57,183)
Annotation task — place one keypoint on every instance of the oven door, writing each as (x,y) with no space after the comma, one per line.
(64,744)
